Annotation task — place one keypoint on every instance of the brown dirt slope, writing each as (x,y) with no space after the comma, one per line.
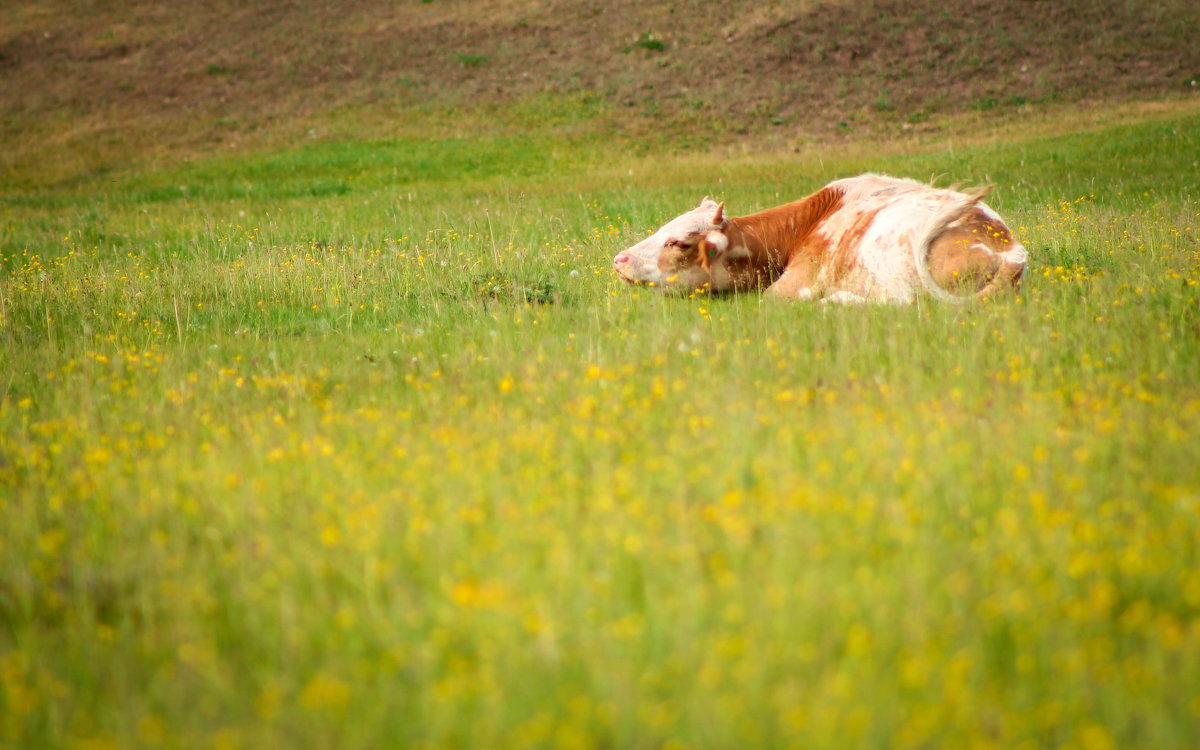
(752,63)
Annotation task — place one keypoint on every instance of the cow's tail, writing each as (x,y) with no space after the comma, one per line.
(1012,260)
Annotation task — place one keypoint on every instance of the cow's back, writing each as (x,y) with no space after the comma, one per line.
(893,238)
(875,232)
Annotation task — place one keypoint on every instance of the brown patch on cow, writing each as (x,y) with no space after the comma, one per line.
(744,275)
(787,228)
(1008,278)
(788,238)
(675,257)
(966,257)
(960,265)
(845,255)
(987,230)
(680,256)
(705,252)
(807,262)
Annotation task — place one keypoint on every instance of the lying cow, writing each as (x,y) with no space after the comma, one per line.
(866,238)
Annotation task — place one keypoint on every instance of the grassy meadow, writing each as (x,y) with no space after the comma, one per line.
(354,441)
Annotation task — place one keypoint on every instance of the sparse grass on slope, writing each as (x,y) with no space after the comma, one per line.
(89,87)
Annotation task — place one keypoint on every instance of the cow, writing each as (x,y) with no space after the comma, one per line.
(870,238)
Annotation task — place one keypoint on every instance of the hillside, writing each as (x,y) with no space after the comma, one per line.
(103,79)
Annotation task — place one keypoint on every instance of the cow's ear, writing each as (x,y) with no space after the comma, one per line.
(707,252)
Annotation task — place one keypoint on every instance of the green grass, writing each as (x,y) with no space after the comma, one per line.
(359,443)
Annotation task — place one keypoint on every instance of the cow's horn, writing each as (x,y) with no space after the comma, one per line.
(719,215)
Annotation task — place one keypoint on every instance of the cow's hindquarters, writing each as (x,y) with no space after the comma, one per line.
(969,253)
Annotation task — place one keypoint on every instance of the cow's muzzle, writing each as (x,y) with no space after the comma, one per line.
(621,264)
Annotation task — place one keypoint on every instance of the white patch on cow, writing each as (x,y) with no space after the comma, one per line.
(987,211)
(717,239)
(691,279)
(1017,255)
(843,298)
(885,253)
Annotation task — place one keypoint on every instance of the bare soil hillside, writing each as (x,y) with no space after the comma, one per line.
(745,64)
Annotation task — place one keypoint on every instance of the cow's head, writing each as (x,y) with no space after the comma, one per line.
(689,253)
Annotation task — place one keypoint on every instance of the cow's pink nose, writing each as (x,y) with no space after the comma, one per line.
(621,258)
